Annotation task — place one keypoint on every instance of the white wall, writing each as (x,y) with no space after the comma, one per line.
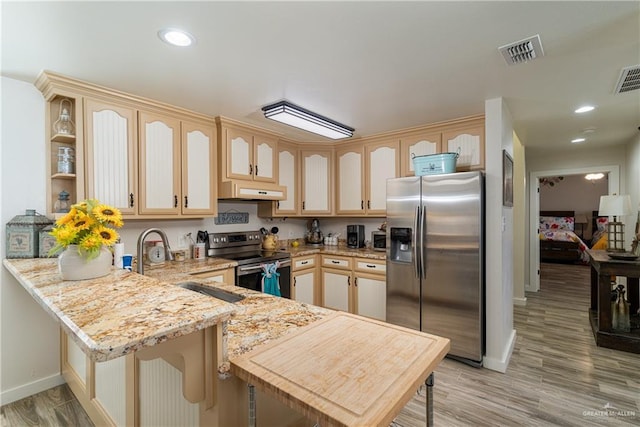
(632,179)
(499,242)
(519,222)
(29,343)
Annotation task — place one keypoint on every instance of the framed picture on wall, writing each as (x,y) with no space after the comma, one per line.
(507,179)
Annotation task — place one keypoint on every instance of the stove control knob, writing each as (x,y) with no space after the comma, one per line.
(215,240)
(223,239)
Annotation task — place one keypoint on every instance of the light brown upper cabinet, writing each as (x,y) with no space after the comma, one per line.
(249,156)
(199,192)
(463,136)
(288,173)
(152,172)
(111,154)
(382,162)
(159,173)
(362,172)
(469,144)
(350,194)
(421,144)
(317,183)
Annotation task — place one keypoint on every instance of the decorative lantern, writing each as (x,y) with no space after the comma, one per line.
(63,204)
(64,125)
(23,234)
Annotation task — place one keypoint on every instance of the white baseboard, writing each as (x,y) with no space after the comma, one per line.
(520,301)
(31,388)
(502,364)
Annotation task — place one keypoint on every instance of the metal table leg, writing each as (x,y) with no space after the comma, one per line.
(252,406)
(429,400)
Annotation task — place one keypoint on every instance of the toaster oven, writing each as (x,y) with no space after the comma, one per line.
(379,240)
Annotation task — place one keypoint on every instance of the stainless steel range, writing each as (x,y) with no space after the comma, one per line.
(245,247)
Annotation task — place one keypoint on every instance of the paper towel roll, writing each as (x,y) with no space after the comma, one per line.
(118,252)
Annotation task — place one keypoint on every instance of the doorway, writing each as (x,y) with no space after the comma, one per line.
(534,211)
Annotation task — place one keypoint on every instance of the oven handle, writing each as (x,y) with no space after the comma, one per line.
(249,269)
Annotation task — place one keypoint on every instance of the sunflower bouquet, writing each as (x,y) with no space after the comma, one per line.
(88,225)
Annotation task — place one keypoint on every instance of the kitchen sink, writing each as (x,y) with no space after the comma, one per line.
(212,292)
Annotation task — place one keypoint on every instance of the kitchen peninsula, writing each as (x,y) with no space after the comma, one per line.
(326,375)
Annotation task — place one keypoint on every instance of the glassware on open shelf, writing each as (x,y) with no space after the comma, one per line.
(64,125)
(65,160)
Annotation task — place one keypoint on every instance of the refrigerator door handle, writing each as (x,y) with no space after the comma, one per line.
(423,241)
(416,242)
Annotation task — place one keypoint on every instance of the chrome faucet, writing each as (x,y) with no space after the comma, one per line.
(168,255)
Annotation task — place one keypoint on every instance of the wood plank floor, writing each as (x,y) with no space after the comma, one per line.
(557,375)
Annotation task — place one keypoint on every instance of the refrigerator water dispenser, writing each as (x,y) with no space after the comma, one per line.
(401,246)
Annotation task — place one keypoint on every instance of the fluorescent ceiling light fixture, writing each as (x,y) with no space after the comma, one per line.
(585,109)
(292,115)
(577,140)
(594,176)
(176,37)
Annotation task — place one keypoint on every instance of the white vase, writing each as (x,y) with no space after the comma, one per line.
(72,266)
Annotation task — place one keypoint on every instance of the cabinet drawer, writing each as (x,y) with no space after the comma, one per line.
(336,262)
(371,266)
(301,263)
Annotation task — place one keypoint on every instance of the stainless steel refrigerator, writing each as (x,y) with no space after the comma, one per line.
(435,253)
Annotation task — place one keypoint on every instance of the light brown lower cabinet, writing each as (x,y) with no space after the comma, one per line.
(172,383)
(356,285)
(304,274)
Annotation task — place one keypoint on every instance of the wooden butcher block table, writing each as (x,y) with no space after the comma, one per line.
(344,370)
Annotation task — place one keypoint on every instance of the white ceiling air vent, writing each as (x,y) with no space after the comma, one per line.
(629,79)
(522,51)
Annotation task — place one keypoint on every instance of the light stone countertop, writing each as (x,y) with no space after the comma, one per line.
(341,250)
(112,316)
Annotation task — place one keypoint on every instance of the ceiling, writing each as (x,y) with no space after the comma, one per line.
(375,66)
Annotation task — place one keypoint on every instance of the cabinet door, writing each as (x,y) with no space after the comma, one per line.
(350,185)
(419,145)
(265,160)
(159,150)
(304,286)
(198,170)
(336,287)
(288,177)
(470,144)
(316,182)
(111,155)
(239,154)
(382,164)
(370,296)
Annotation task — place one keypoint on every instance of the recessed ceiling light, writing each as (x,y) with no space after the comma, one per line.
(176,37)
(585,109)
(577,140)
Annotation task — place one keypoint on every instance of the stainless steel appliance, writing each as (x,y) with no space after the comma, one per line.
(245,248)
(435,268)
(355,236)
(314,235)
(379,240)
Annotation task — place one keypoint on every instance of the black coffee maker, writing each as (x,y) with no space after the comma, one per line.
(355,236)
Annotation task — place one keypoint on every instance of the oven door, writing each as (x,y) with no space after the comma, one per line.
(250,276)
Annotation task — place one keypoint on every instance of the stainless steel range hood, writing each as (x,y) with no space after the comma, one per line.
(247,190)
